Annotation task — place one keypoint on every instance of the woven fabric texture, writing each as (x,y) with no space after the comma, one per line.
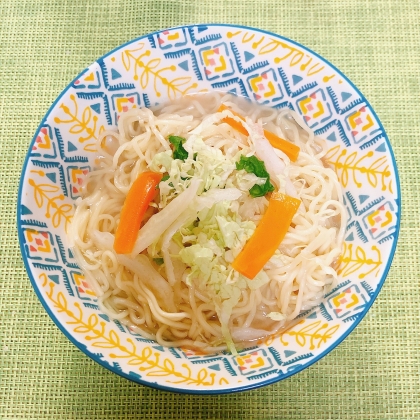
(374,373)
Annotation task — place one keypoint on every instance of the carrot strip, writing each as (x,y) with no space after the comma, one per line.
(233,123)
(267,236)
(290,149)
(141,193)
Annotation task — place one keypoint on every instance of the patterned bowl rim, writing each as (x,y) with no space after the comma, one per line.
(250,386)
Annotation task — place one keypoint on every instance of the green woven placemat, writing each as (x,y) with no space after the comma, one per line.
(374,373)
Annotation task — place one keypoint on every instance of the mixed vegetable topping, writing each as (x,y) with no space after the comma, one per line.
(206,213)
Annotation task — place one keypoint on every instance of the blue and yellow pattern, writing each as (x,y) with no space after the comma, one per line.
(270,70)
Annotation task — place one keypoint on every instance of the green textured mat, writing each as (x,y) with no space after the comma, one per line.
(374,373)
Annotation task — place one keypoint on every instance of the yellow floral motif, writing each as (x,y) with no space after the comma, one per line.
(350,261)
(266,45)
(146,68)
(314,334)
(84,123)
(148,360)
(354,165)
(43,277)
(55,210)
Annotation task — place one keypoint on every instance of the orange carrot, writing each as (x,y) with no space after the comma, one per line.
(290,149)
(233,123)
(141,193)
(267,236)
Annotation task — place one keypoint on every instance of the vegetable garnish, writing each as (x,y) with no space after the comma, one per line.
(141,193)
(158,261)
(290,149)
(179,151)
(267,236)
(233,123)
(255,166)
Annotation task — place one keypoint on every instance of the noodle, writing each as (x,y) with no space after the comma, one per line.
(170,302)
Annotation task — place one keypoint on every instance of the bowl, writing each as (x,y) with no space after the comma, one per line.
(165,65)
